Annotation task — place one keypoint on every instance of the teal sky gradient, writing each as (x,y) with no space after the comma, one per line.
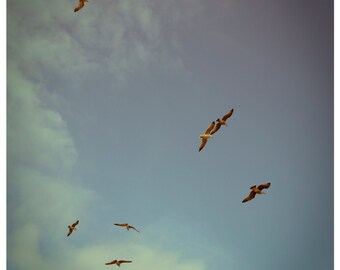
(104,110)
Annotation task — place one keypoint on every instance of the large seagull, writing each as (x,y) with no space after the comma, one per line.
(222,122)
(256,190)
(127,226)
(205,136)
(72,227)
(118,262)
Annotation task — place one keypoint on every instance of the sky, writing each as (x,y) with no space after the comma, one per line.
(104,111)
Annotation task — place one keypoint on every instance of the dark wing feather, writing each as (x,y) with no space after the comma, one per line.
(250,196)
(228,114)
(75,223)
(123,261)
(69,232)
(217,127)
(122,224)
(260,187)
(131,227)
(80,6)
(210,127)
(113,262)
(203,143)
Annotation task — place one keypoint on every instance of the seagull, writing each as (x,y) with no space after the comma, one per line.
(127,226)
(80,5)
(72,227)
(118,262)
(206,136)
(222,121)
(256,190)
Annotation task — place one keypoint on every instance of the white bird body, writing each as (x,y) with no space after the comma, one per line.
(205,136)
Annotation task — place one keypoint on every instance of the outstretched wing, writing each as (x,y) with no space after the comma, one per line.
(228,114)
(113,262)
(203,143)
(260,187)
(69,232)
(75,223)
(250,196)
(217,127)
(121,224)
(210,127)
(80,6)
(131,227)
(123,261)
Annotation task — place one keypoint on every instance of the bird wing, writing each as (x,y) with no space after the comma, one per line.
(121,224)
(217,127)
(203,143)
(80,6)
(250,196)
(210,127)
(69,232)
(75,223)
(228,114)
(123,261)
(131,227)
(113,262)
(260,187)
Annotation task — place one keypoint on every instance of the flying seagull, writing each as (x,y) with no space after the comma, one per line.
(80,5)
(72,227)
(127,226)
(118,262)
(256,190)
(206,136)
(222,121)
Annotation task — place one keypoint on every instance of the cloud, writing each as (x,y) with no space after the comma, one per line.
(44,196)
(118,38)
(48,42)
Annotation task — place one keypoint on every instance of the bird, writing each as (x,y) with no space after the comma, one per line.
(80,5)
(127,226)
(256,190)
(118,262)
(222,121)
(72,227)
(206,136)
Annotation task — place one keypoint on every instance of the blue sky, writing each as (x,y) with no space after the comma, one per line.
(104,110)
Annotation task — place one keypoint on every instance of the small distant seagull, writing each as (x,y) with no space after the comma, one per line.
(206,136)
(118,262)
(72,227)
(127,226)
(80,5)
(256,190)
(222,121)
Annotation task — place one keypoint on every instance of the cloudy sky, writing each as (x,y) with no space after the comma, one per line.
(104,110)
